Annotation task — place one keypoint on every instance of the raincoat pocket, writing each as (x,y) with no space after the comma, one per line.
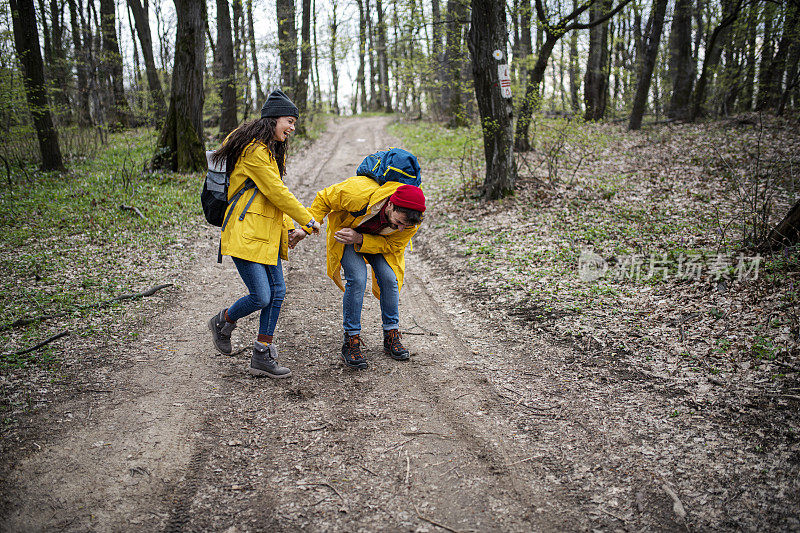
(258,226)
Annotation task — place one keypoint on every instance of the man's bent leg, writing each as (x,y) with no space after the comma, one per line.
(390,303)
(390,295)
(355,275)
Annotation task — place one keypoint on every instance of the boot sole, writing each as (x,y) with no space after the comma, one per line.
(257,372)
(211,328)
(403,357)
(357,366)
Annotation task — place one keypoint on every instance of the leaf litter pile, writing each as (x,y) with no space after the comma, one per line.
(637,250)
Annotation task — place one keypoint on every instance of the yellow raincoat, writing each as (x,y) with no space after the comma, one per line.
(340,202)
(262,234)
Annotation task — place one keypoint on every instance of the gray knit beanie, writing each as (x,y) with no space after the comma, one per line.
(279,105)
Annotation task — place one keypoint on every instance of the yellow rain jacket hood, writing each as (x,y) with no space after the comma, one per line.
(261,233)
(349,203)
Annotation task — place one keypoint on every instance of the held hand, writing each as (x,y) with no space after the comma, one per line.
(316,227)
(348,236)
(295,236)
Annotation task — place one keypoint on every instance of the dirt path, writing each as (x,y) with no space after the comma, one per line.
(487,428)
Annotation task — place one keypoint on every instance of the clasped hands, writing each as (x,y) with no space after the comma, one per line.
(297,235)
(344,235)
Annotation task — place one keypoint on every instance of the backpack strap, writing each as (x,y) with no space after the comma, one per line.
(360,213)
(249,184)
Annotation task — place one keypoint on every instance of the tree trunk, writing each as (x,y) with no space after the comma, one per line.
(26,41)
(451,64)
(374,78)
(552,33)
(334,28)
(317,87)
(361,88)
(225,70)
(120,115)
(749,82)
(713,55)
(287,44)
(488,33)
(526,39)
(180,146)
(771,90)
(595,80)
(574,68)
(436,60)
(83,112)
(59,71)
(681,68)
(769,14)
(301,95)
(792,80)
(383,60)
(251,36)
(647,62)
(785,233)
(141,19)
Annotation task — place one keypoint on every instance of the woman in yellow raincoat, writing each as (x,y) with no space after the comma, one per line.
(256,229)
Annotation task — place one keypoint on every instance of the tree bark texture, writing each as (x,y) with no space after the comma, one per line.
(785,233)
(226,70)
(681,66)
(647,63)
(287,44)
(141,19)
(26,41)
(120,111)
(488,33)
(180,146)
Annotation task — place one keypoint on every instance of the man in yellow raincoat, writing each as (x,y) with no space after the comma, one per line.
(368,224)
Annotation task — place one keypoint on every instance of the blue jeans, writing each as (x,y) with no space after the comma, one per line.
(267,291)
(355,275)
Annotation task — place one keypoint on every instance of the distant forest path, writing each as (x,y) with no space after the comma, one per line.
(489,427)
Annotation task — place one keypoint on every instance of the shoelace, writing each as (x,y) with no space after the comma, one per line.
(353,343)
(394,340)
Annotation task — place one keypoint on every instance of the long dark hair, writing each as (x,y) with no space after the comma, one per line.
(260,130)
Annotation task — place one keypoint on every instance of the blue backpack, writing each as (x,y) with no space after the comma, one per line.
(394,164)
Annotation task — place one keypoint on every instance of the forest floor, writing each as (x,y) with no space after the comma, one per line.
(499,422)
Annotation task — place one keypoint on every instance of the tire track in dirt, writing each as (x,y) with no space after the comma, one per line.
(120,458)
(346,450)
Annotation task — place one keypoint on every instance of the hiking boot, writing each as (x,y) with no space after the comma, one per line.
(221,332)
(392,346)
(263,362)
(351,352)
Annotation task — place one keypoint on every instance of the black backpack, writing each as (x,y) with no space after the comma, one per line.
(214,197)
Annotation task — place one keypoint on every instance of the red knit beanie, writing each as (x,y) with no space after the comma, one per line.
(410,197)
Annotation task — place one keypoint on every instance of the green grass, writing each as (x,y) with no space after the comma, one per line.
(67,243)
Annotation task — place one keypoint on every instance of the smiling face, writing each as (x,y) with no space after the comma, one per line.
(284,126)
(397,220)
